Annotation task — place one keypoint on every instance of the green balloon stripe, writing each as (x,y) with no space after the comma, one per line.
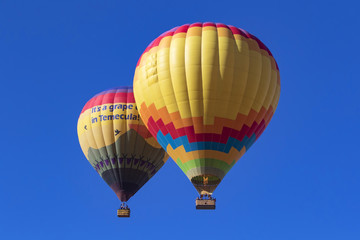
(205,162)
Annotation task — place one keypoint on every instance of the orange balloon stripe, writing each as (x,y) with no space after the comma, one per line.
(197,122)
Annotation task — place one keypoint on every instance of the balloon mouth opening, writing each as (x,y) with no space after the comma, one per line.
(123,195)
(206,183)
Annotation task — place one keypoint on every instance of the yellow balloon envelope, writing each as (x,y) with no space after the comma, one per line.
(207,92)
(116,142)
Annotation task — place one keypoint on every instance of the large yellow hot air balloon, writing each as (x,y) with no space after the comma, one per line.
(206,91)
(117,144)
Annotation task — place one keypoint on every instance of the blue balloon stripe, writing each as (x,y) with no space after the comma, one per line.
(164,141)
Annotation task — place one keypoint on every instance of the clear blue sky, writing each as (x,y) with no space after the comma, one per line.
(299,181)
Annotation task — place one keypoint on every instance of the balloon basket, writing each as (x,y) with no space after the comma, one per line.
(123,212)
(205,204)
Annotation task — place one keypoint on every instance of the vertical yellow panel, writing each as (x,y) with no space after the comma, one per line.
(178,76)
(139,80)
(264,82)
(210,72)
(226,64)
(107,129)
(241,71)
(193,71)
(253,79)
(89,133)
(275,101)
(272,88)
(95,133)
(83,125)
(271,91)
(165,83)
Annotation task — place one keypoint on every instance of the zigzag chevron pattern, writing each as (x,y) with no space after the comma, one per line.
(221,140)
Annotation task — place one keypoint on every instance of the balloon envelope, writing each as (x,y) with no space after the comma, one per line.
(206,91)
(116,142)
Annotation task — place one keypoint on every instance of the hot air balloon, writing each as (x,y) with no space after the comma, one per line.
(207,92)
(117,144)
